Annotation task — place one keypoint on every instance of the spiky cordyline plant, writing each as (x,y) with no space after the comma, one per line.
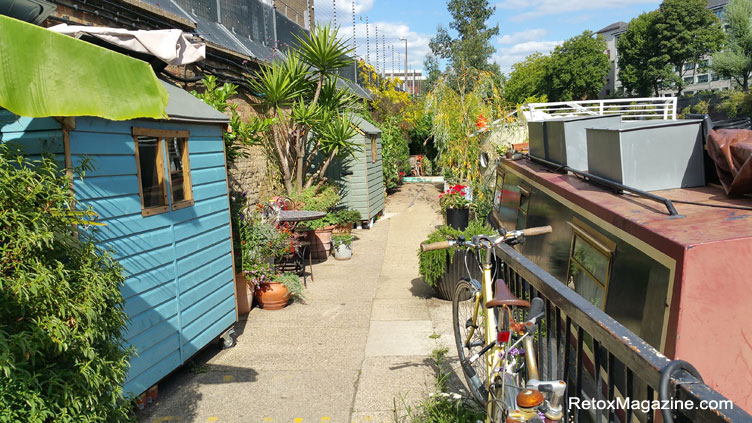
(314,116)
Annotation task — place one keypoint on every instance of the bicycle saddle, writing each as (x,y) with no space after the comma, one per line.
(504,297)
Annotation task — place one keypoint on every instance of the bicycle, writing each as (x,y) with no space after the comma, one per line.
(500,375)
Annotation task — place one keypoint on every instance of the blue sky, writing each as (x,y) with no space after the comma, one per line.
(525,26)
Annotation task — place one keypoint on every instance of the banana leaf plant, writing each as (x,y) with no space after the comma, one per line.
(312,115)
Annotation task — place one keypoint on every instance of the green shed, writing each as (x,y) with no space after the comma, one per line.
(361,179)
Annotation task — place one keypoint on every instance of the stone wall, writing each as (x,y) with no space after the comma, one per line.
(254,176)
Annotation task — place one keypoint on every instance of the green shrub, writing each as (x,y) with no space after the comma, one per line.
(324,199)
(346,217)
(433,263)
(344,239)
(61,310)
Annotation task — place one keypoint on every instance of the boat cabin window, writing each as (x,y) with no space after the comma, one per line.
(589,263)
(163,170)
(523,207)
(499,189)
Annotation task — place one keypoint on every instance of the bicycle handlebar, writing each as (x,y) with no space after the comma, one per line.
(437,245)
(537,231)
(511,235)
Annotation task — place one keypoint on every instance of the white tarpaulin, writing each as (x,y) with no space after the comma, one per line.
(172,46)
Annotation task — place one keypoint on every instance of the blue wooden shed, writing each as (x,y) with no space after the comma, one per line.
(160,186)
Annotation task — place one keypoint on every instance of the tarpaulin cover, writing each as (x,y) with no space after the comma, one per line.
(731,150)
(43,73)
(171,46)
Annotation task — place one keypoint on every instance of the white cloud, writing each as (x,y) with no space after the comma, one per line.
(522,36)
(508,56)
(536,8)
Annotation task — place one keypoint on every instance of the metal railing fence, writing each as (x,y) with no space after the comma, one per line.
(630,108)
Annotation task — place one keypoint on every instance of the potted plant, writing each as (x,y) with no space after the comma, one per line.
(320,234)
(344,220)
(257,244)
(273,291)
(454,200)
(243,292)
(342,246)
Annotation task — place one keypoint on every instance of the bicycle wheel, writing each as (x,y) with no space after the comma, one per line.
(463,305)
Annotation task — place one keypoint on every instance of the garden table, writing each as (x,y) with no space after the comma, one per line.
(295,216)
(302,247)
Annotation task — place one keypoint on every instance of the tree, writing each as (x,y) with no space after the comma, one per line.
(641,69)
(313,116)
(472,47)
(527,79)
(685,31)
(736,60)
(431,66)
(577,69)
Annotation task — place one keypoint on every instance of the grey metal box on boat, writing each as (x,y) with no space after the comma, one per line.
(648,155)
(564,140)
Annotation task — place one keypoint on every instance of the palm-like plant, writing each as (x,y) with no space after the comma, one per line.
(313,115)
(323,50)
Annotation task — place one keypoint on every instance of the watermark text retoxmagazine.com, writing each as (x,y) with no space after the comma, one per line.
(647,405)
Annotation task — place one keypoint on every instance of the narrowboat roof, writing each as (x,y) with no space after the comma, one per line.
(365,125)
(648,219)
(183,106)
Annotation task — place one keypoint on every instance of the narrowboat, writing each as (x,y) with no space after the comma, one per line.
(674,272)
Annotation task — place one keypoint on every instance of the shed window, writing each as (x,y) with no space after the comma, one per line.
(163,170)
(374,149)
(589,264)
(180,172)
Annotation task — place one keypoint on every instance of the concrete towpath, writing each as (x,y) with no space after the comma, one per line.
(359,345)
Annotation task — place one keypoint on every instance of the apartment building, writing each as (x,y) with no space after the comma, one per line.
(696,76)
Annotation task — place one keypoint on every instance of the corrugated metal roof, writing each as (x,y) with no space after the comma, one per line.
(712,4)
(365,125)
(182,106)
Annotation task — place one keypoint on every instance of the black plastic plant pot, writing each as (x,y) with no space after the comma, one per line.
(457,218)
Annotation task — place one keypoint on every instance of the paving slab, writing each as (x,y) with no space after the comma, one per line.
(405,380)
(337,312)
(278,347)
(272,396)
(399,309)
(400,337)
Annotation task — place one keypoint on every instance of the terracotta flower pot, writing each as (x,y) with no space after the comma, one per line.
(243,293)
(321,243)
(272,295)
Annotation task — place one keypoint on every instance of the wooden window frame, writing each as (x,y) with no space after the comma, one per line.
(161,135)
(601,244)
(187,184)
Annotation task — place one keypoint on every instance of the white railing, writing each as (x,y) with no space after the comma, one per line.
(630,108)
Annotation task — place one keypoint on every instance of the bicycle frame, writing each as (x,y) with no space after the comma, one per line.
(493,357)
